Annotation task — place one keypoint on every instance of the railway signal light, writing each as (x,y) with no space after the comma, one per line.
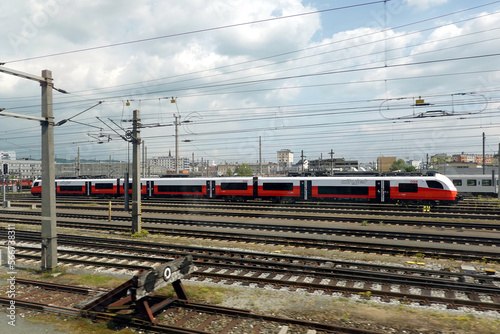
(5,169)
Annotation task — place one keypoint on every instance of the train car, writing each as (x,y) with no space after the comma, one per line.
(88,187)
(105,187)
(72,187)
(121,186)
(179,187)
(63,187)
(423,189)
(279,189)
(475,184)
(36,188)
(234,188)
(436,189)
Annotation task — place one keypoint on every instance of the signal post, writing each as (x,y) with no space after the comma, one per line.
(136,173)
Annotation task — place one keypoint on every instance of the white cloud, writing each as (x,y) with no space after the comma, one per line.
(217,73)
(425,4)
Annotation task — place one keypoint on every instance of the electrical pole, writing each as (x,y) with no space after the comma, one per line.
(143,168)
(498,176)
(136,173)
(49,232)
(302,159)
(4,178)
(260,155)
(484,155)
(176,144)
(78,162)
(331,160)
(48,219)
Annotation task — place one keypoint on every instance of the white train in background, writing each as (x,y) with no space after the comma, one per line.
(475,184)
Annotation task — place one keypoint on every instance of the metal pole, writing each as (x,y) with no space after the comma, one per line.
(143,168)
(331,165)
(136,174)
(49,233)
(176,145)
(78,163)
(260,155)
(302,158)
(498,177)
(4,203)
(484,155)
(126,188)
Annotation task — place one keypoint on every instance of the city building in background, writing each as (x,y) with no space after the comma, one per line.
(463,163)
(384,164)
(285,159)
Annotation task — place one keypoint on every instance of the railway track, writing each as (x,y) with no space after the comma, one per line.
(179,317)
(410,285)
(338,278)
(119,214)
(305,229)
(394,243)
(274,211)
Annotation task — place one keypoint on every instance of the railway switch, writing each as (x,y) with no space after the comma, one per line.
(133,298)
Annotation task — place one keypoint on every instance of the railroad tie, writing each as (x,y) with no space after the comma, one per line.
(207,322)
(232,324)
(495,299)
(473,296)
(184,319)
(283,330)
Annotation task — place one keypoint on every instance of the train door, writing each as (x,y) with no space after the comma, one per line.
(118,194)
(210,189)
(88,188)
(255,187)
(150,188)
(383,191)
(378,191)
(387,191)
(305,189)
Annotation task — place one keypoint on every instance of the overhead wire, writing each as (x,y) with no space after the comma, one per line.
(304,116)
(355,37)
(193,32)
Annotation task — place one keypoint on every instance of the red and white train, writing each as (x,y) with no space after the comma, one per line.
(422,189)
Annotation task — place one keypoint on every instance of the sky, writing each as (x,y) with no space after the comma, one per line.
(402,78)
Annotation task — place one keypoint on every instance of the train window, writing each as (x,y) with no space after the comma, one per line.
(104,185)
(342,190)
(457,183)
(277,186)
(129,186)
(486,183)
(180,189)
(35,184)
(471,183)
(434,184)
(408,188)
(70,188)
(233,186)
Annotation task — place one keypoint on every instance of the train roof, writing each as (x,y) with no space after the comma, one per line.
(241,178)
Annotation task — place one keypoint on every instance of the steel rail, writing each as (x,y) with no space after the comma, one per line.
(327,242)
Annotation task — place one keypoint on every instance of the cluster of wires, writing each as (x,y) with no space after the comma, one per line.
(373,65)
